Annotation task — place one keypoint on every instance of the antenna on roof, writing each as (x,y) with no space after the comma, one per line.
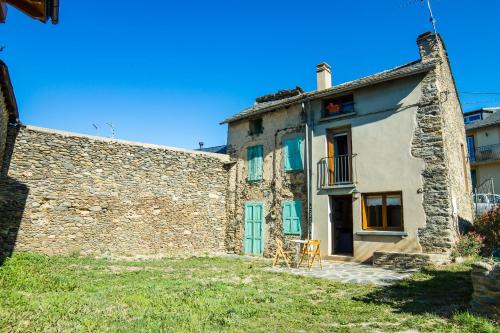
(201,144)
(96,128)
(432,19)
(111,127)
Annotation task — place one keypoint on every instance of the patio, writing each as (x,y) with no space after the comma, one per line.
(347,272)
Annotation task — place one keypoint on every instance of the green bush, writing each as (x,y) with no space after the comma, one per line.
(469,245)
(487,226)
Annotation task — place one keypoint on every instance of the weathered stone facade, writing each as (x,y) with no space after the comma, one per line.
(439,140)
(486,283)
(4,122)
(398,260)
(62,193)
(276,185)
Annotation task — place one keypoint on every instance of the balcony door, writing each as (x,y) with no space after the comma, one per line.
(339,157)
(471,148)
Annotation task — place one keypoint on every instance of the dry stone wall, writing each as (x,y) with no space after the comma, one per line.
(486,283)
(4,121)
(62,193)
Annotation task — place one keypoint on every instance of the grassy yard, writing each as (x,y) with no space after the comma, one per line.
(66,294)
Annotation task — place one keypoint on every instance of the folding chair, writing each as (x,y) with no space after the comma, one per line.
(311,251)
(281,253)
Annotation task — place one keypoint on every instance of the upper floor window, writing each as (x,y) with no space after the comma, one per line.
(255,126)
(338,105)
(382,211)
(293,153)
(254,159)
(470,119)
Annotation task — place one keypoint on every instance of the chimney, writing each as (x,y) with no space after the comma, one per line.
(430,46)
(323,76)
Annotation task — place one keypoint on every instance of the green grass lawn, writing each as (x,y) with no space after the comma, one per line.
(67,294)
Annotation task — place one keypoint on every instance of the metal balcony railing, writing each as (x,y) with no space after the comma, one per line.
(337,170)
(485,153)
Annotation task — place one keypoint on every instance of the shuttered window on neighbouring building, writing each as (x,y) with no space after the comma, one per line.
(292,214)
(293,151)
(254,159)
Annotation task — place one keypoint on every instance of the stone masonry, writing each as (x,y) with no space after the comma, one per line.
(438,140)
(486,283)
(276,185)
(64,193)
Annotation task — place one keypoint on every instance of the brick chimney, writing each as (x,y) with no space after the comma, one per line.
(323,76)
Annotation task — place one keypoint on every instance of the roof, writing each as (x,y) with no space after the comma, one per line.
(494,119)
(409,69)
(216,149)
(488,110)
(8,91)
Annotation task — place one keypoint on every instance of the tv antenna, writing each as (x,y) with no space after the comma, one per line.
(432,19)
(111,127)
(96,129)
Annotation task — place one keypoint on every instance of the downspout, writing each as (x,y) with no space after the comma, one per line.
(306,109)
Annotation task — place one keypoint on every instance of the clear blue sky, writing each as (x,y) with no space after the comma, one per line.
(167,72)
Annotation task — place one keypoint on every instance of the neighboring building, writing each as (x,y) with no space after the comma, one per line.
(215,149)
(8,107)
(483,143)
(371,166)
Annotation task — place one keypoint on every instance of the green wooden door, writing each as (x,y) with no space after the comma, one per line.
(254,228)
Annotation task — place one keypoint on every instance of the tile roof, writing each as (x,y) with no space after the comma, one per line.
(494,119)
(405,70)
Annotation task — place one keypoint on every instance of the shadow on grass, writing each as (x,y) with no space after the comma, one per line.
(431,291)
(13,195)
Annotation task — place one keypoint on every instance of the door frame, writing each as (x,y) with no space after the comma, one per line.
(331,234)
(330,135)
(262,229)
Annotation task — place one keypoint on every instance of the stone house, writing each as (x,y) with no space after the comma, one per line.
(483,142)
(375,168)
(8,106)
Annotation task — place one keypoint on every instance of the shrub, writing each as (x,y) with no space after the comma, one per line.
(487,226)
(469,245)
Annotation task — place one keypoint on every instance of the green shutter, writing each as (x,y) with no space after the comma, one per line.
(254,228)
(255,159)
(293,152)
(292,214)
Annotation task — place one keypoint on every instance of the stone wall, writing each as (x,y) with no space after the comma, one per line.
(400,260)
(437,140)
(486,283)
(4,121)
(62,193)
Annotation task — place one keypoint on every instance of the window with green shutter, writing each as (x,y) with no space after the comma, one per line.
(254,159)
(293,151)
(292,214)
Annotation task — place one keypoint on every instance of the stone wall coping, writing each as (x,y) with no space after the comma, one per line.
(222,157)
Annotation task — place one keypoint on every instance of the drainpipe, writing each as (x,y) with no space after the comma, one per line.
(308,154)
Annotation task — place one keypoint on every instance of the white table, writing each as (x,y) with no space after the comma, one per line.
(297,242)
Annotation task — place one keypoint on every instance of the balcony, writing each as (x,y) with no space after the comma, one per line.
(336,171)
(485,153)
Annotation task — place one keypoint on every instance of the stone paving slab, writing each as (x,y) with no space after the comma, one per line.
(348,272)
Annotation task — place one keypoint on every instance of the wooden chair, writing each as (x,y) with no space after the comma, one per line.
(311,251)
(281,253)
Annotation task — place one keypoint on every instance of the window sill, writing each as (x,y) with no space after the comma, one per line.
(382,233)
(291,234)
(342,115)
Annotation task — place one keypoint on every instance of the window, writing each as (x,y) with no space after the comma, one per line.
(293,153)
(292,214)
(339,105)
(255,126)
(470,119)
(254,158)
(471,147)
(382,211)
